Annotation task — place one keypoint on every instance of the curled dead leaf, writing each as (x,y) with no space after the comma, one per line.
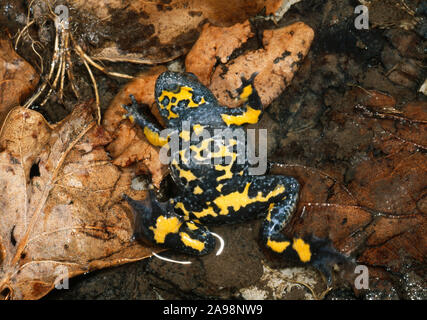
(130,145)
(215,43)
(61,207)
(283,52)
(378,218)
(17,78)
(155,32)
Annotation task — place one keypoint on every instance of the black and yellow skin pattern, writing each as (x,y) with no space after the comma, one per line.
(212,193)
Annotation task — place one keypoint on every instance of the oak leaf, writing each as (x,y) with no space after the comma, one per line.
(276,63)
(61,208)
(129,145)
(379,215)
(158,31)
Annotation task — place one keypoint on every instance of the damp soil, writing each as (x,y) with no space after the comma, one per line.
(312,123)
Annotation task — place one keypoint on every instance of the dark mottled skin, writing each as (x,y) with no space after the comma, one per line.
(211,193)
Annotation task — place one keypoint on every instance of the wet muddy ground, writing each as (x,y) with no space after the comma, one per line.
(312,124)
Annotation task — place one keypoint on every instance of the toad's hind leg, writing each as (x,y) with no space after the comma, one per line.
(158,223)
(278,215)
(308,250)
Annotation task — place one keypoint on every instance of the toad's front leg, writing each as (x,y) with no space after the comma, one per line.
(151,131)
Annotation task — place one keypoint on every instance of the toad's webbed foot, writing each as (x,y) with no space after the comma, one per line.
(325,256)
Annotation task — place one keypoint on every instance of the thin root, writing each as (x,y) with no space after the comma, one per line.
(55,58)
(61,64)
(22,32)
(92,78)
(84,56)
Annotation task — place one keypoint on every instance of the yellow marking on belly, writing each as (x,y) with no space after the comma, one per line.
(164,226)
(227,175)
(186,93)
(183,93)
(205,212)
(278,246)
(182,155)
(180,205)
(198,128)
(227,168)
(222,152)
(219,187)
(198,190)
(249,116)
(131,118)
(192,226)
(185,135)
(170,95)
(268,218)
(190,242)
(187,174)
(204,147)
(239,200)
(302,248)
(154,138)
(247,91)
(171,113)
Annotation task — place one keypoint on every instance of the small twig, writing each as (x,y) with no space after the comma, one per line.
(405,141)
(55,58)
(61,84)
(69,66)
(55,81)
(22,32)
(64,65)
(95,87)
(29,23)
(98,66)
(380,115)
(392,69)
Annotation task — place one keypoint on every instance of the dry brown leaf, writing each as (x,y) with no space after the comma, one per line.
(17,78)
(215,43)
(284,49)
(410,125)
(130,145)
(379,215)
(61,211)
(375,99)
(158,31)
(395,242)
